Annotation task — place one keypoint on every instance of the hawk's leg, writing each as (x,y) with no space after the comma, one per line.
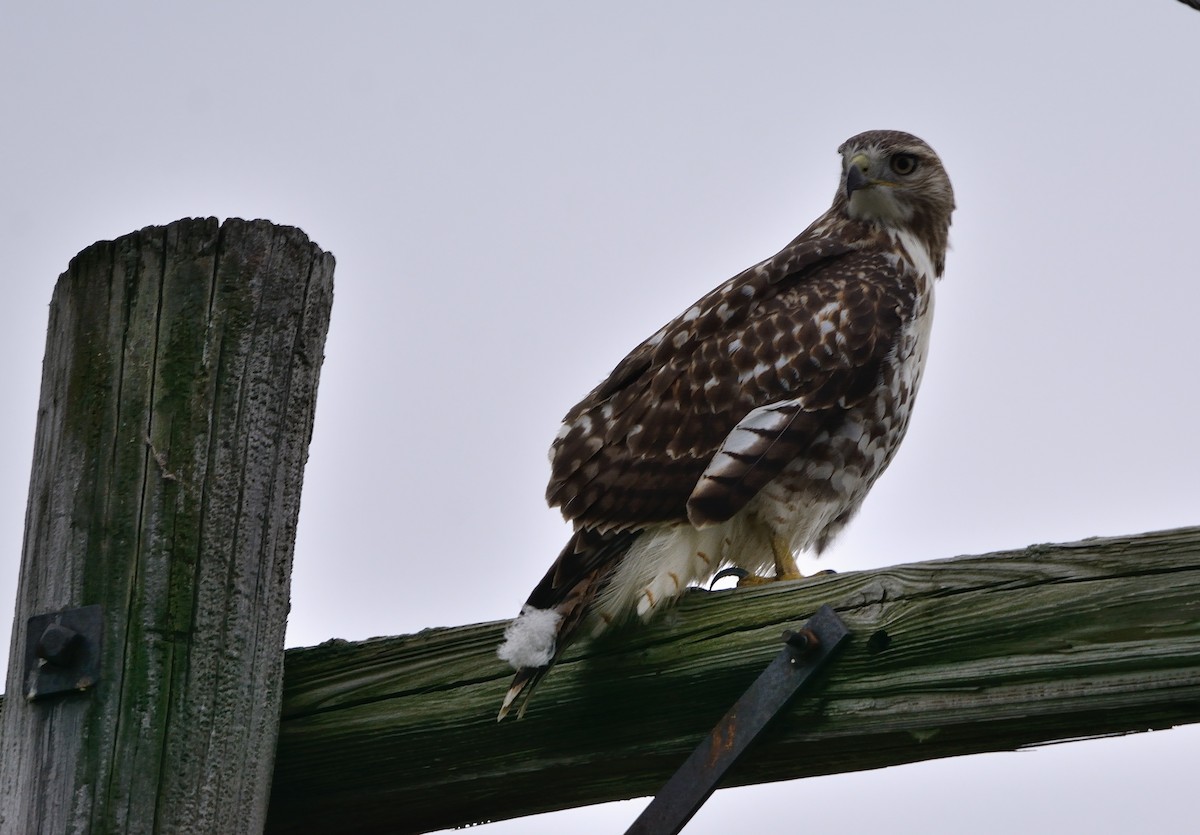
(785,566)
(785,562)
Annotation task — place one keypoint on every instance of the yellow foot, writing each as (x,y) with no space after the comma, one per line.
(785,567)
(756,580)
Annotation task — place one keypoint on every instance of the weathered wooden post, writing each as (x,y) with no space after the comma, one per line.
(177,401)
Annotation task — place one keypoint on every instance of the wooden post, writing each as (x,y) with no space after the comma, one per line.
(177,400)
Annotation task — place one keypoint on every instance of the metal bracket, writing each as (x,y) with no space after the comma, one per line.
(806,651)
(62,651)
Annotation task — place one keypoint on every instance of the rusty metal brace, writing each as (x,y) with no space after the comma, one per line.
(806,651)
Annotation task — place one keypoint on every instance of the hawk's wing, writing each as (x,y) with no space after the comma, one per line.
(733,390)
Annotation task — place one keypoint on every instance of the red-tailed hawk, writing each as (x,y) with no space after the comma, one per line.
(752,426)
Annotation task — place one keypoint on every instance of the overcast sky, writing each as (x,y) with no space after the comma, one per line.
(518,193)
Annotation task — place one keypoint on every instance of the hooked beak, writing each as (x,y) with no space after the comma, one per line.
(856,174)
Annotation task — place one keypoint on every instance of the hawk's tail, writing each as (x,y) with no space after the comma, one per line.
(556,607)
(524,681)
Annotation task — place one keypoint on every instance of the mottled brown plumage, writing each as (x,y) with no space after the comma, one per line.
(753,424)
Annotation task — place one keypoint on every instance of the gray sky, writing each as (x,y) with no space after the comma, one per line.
(518,193)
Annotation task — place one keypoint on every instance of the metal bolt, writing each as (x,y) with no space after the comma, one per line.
(58,645)
(803,641)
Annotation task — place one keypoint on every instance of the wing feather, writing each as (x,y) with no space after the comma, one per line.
(698,418)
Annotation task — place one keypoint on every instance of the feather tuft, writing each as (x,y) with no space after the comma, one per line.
(529,639)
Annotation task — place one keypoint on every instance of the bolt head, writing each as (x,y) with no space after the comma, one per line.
(58,645)
(803,640)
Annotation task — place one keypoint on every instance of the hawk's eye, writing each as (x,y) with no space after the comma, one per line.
(904,164)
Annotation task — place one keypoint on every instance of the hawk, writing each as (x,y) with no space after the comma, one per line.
(753,424)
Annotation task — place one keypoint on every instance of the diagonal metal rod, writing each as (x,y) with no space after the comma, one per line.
(806,652)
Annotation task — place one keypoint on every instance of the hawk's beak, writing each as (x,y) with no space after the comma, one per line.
(856,174)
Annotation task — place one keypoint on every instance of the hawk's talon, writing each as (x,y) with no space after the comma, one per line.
(731,571)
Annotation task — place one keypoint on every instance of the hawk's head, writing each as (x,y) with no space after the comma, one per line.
(895,180)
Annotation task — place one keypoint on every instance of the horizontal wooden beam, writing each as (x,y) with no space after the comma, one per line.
(973,654)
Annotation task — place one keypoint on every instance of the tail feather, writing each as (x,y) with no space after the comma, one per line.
(559,602)
(524,681)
